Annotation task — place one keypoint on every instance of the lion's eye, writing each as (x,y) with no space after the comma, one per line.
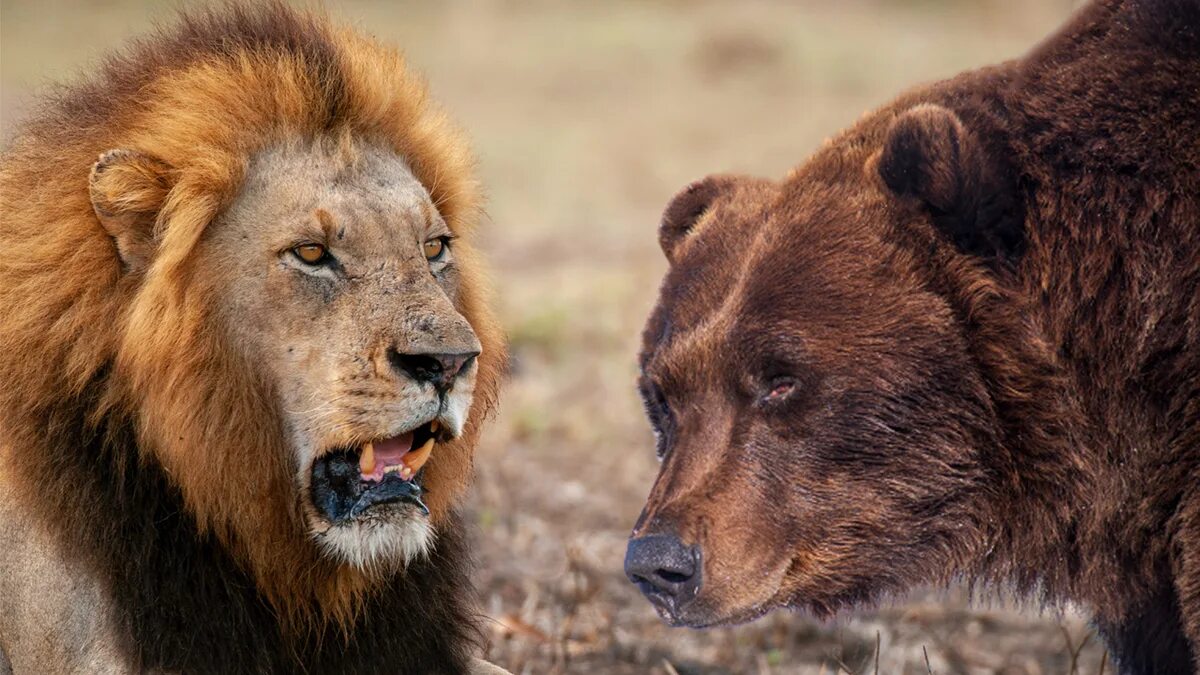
(310,254)
(435,249)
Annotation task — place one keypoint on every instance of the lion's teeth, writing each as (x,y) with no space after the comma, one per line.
(433,426)
(366,462)
(415,459)
(395,468)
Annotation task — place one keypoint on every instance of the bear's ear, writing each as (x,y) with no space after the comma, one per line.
(686,209)
(931,156)
(128,189)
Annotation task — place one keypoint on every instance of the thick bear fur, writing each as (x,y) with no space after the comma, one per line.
(961,341)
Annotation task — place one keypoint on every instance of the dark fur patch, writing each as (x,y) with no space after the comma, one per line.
(1172,25)
(1151,641)
(186,606)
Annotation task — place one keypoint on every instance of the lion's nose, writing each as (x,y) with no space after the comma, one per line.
(437,369)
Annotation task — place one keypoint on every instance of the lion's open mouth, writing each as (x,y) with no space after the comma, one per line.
(348,482)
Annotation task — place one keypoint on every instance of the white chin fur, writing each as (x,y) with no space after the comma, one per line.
(376,545)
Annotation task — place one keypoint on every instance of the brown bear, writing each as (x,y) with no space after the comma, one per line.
(962,341)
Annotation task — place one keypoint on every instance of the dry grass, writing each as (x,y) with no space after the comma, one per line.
(588,117)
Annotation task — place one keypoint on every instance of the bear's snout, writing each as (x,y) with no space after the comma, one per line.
(666,570)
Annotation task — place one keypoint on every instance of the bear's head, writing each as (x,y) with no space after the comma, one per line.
(825,414)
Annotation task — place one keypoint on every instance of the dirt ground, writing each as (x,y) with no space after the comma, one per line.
(587,117)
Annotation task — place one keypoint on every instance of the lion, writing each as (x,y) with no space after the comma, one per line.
(247,354)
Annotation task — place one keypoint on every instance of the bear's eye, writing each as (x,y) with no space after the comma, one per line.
(311,254)
(435,249)
(779,388)
(660,415)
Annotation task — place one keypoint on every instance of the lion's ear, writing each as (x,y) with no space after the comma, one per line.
(930,155)
(128,189)
(686,209)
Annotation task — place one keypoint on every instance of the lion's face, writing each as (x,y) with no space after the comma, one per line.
(336,279)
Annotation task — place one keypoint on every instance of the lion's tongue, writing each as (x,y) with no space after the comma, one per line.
(382,454)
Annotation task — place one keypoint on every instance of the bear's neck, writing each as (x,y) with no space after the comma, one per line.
(1110,281)
(1085,346)
(183,603)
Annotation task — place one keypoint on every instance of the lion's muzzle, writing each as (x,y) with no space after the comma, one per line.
(349,483)
(440,370)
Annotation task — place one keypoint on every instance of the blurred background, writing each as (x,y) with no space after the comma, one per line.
(587,117)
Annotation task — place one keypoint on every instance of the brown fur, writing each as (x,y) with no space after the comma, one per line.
(203,99)
(982,306)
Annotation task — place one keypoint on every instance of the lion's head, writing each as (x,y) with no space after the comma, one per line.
(269,271)
(333,278)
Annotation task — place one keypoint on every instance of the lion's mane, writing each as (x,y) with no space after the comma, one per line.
(134,432)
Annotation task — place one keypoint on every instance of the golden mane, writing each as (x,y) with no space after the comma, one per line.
(204,97)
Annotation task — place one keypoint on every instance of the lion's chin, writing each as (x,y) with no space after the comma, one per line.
(367,499)
(378,545)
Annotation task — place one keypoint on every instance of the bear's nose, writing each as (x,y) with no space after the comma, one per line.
(437,369)
(664,569)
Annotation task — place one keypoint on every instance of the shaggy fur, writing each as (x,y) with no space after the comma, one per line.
(962,340)
(108,371)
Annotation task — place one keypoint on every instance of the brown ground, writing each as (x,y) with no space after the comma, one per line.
(588,117)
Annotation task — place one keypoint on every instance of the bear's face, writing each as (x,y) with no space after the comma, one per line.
(818,414)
